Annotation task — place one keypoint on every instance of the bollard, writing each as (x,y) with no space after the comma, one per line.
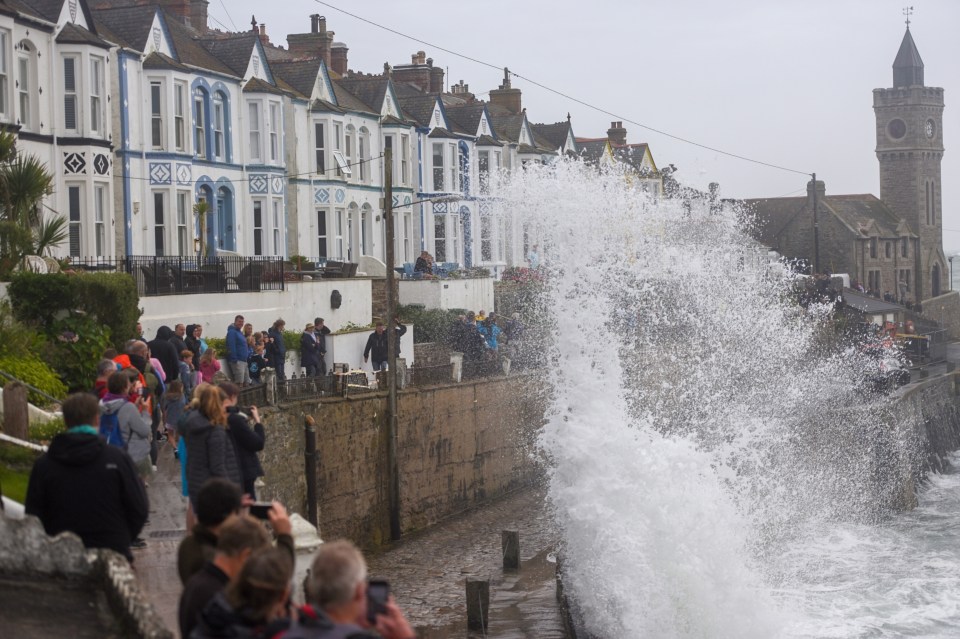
(510,545)
(310,462)
(478,604)
(16,421)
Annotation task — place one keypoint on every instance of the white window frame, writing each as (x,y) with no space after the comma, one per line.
(319,146)
(99,218)
(323,231)
(439,171)
(179,116)
(486,238)
(405,159)
(363,148)
(253,116)
(159,218)
(278,248)
(199,127)
(157,140)
(337,149)
(454,166)
(183,237)
(257,225)
(5,110)
(274,131)
(75,219)
(340,215)
(343,167)
(97,91)
(71,99)
(440,237)
(348,143)
(218,122)
(24,80)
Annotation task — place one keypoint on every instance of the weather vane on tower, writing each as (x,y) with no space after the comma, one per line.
(908,11)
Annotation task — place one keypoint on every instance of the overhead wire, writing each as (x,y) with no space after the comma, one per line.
(566,95)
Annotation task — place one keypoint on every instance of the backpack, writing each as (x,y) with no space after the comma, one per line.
(110,430)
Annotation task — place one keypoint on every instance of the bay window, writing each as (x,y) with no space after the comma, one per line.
(156,115)
(96,95)
(69,93)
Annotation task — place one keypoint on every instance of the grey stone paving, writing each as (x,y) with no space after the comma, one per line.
(428,571)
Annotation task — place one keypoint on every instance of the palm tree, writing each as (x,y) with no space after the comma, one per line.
(24,229)
(201,208)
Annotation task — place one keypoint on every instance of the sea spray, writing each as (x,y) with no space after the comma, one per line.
(698,424)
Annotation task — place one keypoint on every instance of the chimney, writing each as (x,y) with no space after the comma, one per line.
(317,43)
(420,57)
(506,96)
(820,189)
(436,78)
(198,15)
(338,58)
(617,134)
(463,90)
(417,72)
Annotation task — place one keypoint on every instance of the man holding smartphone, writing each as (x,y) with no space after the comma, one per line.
(341,602)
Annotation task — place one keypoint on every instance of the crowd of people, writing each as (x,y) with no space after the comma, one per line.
(478,335)
(237,578)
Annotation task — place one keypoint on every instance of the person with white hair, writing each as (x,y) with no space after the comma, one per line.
(337,603)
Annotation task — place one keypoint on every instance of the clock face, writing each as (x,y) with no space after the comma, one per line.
(929,128)
(897,129)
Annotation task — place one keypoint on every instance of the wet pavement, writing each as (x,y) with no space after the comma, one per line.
(428,571)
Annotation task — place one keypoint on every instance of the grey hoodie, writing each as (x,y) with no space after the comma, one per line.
(134,426)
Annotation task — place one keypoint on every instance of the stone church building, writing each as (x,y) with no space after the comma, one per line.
(894,243)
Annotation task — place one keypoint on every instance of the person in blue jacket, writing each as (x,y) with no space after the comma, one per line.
(237,353)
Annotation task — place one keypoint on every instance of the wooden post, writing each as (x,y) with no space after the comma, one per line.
(510,545)
(478,604)
(310,463)
(16,419)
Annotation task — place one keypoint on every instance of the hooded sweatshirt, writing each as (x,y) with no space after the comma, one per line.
(209,453)
(89,488)
(134,425)
(166,352)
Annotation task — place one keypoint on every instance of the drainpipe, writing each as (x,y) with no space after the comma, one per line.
(310,463)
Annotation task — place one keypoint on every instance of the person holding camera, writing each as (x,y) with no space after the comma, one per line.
(341,602)
(247,441)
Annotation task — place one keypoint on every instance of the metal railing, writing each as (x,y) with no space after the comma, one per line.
(190,275)
(255,395)
(430,375)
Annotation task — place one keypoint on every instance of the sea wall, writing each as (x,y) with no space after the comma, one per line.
(933,409)
(459,445)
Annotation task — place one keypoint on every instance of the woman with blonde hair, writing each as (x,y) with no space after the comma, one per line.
(209,364)
(210,452)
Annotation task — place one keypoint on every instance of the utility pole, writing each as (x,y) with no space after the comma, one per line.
(392,468)
(816,230)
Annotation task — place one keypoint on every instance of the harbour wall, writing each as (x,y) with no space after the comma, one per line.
(459,446)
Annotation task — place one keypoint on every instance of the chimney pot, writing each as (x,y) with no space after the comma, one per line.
(314,22)
(429,62)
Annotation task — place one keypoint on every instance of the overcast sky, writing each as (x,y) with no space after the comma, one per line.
(785,82)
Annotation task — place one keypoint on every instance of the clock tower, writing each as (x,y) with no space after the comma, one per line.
(910,149)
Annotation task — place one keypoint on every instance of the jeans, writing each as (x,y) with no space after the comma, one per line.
(380,366)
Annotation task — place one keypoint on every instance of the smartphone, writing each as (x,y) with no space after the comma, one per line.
(145,392)
(261,509)
(378,591)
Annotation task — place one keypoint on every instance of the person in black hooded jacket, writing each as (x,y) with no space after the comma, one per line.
(168,355)
(85,486)
(246,432)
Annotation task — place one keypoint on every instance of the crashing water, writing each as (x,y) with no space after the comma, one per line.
(715,468)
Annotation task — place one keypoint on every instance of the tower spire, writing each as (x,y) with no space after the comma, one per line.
(908,65)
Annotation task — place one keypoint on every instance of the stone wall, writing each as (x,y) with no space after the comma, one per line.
(945,310)
(459,446)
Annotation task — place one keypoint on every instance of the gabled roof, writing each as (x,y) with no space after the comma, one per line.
(593,150)
(162,62)
(371,90)
(300,74)
(130,25)
(465,117)
(72,34)
(486,140)
(47,9)
(908,66)
(322,106)
(633,155)
(419,108)
(190,52)
(554,134)
(256,85)
(506,125)
(863,215)
(233,50)
(349,101)
(440,132)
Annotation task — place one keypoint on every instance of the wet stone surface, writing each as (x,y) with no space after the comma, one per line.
(428,571)
(30,606)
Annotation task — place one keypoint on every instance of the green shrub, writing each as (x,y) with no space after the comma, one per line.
(219,344)
(113,299)
(46,432)
(37,298)
(33,371)
(429,325)
(76,346)
(15,337)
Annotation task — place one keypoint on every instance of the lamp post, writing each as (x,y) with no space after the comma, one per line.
(950,259)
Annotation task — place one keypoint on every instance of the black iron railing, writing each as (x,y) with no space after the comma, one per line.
(255,395)
(186,275)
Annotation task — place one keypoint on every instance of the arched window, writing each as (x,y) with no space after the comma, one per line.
(26,83)
(201,122)
(218,124)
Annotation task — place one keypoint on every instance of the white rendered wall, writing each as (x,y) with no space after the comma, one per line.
(474,294)
(300,303)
